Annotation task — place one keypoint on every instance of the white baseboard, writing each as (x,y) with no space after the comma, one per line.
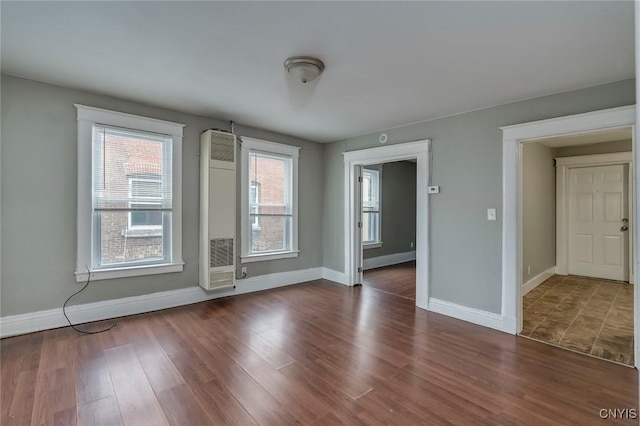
(335,276)
(53,318)
(388,260)
(537,280)
(465,313)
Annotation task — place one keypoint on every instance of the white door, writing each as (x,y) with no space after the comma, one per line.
(358,197)
(598,222)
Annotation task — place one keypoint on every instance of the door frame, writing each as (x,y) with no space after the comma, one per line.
(563,166)
(419,151)
(513,137)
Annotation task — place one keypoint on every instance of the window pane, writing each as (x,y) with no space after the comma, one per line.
(146,217)
(366,188)
(254,195)
(370,227)
(129,165)
(120,245)
(274,234)
(147,188)
(270,205)
(271,173)
(132,196)
(370,188)
(370,206)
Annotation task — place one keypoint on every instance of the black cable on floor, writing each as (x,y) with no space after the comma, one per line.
(64,309)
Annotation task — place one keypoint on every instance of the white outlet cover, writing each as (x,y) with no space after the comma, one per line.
(491,214)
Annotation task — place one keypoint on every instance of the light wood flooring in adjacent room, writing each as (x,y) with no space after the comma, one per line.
(395,279)
(582,314)
(311,354)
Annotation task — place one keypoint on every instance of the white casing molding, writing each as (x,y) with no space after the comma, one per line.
(512,139)
(88,312)
(335,276)
(464,313)
(537,280)
(293,152)
(419,151)
(87,116)
(389,259)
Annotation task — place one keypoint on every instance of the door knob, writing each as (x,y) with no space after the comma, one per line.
(624,228)
(625,220)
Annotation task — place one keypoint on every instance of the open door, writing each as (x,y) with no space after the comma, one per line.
(358,218)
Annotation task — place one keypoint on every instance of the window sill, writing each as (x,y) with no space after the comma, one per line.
(269,256)
(372,245)
(142,233)
(133,271)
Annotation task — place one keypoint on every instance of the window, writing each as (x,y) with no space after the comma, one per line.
(269,200)
(145,211)
(371,213)
(254,201)
(129,204)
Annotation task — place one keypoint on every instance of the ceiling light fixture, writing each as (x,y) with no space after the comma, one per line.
(304,68)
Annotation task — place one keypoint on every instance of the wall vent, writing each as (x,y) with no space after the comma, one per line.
(217,210)
(223,147)
(221,280)
(221,252)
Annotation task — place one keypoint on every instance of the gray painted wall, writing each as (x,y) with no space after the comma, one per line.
(39,198)
(398,209)
(538,210)
(596,148)
(465,264)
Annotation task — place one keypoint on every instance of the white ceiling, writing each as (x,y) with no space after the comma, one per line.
(609,135)
(388,63)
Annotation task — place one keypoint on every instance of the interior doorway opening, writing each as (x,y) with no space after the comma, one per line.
(515,138)
(388,218)
(354,162)
(576,220)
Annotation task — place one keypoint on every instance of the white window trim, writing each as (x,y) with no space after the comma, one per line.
(87,117)
(378,243)
(249,144)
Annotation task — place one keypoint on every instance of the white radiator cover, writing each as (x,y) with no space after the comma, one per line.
(218,157)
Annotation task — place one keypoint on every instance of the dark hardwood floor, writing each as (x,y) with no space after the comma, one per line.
(316,353)
(396,279)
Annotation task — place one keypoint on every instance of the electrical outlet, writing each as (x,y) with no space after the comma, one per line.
(411,244)
(528,270)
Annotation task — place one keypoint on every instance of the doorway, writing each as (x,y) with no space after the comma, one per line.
(354,161)
(577,202)
(515,139)
(388,193)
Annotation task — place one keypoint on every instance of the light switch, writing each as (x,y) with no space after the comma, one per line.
(491,214)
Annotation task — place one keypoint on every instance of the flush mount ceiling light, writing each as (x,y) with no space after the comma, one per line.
(304,68)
